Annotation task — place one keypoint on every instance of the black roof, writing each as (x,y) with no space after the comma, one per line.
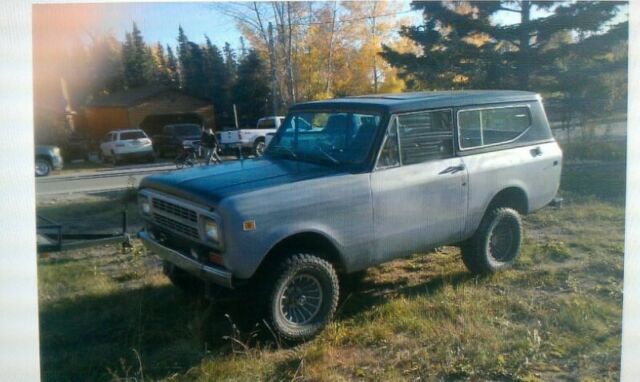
(132,97)
(397,102)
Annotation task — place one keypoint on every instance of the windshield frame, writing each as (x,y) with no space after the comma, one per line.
(365,165)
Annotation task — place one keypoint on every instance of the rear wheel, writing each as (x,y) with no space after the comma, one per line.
(114,159)
(43,167)
(258,147)
(304,297)
(496,243)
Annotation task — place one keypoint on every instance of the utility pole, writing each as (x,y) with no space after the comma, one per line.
(272,62)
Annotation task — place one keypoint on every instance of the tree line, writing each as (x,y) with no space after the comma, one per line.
(222,76)
(575,53)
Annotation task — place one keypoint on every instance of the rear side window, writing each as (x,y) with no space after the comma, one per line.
(425,136)
(130,135)
(491,126)
(267,124)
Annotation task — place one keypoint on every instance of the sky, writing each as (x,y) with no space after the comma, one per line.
(160,21)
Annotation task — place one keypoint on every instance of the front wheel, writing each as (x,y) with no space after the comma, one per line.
(43,167)
(496,243)
(304,297)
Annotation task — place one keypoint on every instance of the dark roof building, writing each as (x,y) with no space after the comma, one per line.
(148,108)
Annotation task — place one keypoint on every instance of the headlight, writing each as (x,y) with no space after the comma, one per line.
(145,205)
(211,230)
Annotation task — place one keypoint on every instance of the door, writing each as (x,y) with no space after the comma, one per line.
(418,186)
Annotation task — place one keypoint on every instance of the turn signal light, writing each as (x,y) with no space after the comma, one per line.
(216,258)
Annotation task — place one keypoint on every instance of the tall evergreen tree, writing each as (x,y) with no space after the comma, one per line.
(191,60)
(230,61)
(136,59)
(183,58)
(251,91)
(159,71)
(218,83)
(172,68)
(105,66)
(462,47)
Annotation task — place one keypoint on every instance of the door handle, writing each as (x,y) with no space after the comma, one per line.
(452,169)
(536,152)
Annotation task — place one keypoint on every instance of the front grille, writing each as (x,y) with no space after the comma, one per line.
(175,210)
(176,226)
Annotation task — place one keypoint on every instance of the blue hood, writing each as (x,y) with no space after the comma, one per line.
(209,184)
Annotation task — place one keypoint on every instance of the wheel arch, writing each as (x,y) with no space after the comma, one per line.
(512,197)
(315,242)
(44,157)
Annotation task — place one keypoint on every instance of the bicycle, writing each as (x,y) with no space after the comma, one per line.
(188,156)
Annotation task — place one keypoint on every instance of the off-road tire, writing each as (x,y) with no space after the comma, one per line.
(292,269)
(479,254)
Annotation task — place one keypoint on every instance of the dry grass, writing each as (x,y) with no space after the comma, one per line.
(555,316)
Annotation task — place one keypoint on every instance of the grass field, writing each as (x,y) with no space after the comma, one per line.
(556,315)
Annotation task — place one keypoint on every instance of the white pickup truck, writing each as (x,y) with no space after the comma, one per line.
(250,138)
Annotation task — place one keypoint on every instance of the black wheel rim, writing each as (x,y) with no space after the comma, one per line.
(502,241)
(301,299)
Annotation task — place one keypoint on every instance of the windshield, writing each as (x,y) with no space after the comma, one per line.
(186,130)
(338,137)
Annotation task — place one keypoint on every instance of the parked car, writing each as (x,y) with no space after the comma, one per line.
(126,144)
(176,136)
(252,139)
(350,183)
(77,147)
(47,158)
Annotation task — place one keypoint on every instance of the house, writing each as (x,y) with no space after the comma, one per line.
(149,108)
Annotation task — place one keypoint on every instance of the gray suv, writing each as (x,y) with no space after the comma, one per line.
(350,183)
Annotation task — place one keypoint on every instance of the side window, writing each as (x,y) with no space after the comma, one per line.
(491,126)
(266,124)
(114,136)
(425,136)
(390,155)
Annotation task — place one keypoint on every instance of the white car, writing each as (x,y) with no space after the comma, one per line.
(253,139)
(120,145)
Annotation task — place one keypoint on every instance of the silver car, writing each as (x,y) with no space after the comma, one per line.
(350,183)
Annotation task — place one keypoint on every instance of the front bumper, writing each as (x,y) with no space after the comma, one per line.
(207,273)
(57,163)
